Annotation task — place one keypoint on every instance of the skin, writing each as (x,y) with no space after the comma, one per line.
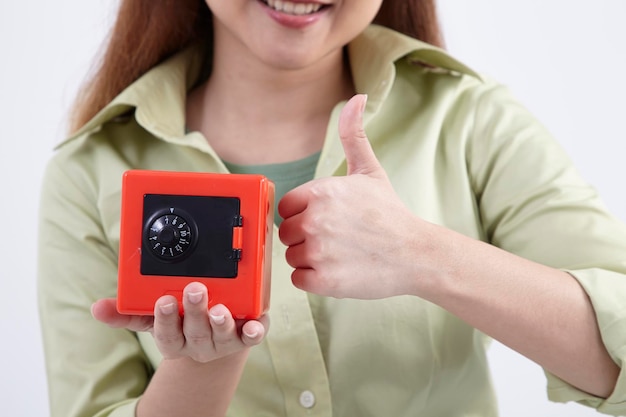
(273,89)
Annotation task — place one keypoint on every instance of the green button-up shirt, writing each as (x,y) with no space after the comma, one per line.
(460,152)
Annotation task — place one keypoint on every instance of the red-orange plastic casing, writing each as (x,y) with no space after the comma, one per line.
(248,294)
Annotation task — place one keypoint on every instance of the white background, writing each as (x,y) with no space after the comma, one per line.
(565,59)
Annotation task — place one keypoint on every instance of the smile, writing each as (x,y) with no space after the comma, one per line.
(296,9)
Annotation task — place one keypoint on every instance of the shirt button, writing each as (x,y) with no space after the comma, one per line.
(307,399)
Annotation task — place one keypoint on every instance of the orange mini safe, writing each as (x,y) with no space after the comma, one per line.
(181,227)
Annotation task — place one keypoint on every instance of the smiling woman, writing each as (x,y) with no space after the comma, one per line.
(406,223)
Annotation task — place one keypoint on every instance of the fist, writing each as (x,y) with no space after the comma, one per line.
(348,236)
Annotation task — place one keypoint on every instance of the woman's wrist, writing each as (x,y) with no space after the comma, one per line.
(181,386)
(432,260)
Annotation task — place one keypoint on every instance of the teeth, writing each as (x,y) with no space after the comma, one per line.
(298,9)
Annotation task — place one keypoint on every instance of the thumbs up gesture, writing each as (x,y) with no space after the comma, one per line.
(349,236)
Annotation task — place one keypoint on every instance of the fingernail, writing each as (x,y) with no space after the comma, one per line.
(168,308)
(194,297)
(251,335)
(218,319)
(364,103)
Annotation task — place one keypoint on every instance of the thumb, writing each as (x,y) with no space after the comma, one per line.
(359,154)
(104,310)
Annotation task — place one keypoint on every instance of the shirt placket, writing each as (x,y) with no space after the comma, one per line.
(294,345)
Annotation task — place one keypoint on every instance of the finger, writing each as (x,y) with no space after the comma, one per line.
(294,202)
(105,310)
(301,256)
(168,333)
(290,231)
(253,331)
(224,328)
(307,280)
(196,327)
(360,157)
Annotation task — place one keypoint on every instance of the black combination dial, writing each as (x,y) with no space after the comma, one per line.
(170,235)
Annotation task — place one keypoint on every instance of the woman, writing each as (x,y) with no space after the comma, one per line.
(415,224)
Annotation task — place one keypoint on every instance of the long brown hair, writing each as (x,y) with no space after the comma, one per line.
(146,32)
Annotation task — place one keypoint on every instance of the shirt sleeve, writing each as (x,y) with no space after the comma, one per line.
(607,292)
(92,370)
(534,203)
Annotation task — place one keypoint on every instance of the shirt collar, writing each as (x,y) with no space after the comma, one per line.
(374,53)
(158,97)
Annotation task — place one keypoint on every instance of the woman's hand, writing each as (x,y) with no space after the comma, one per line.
(202,334)
(352,236)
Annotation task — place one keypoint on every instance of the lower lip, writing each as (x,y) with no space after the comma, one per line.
(292,21)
